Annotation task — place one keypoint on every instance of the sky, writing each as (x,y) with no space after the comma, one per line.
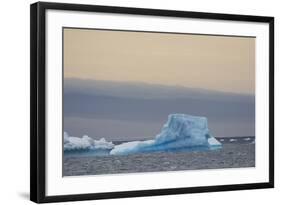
(123,85)
(201,61)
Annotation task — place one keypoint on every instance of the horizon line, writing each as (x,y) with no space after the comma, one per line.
(162,85)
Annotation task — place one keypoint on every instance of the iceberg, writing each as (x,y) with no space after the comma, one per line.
(72,144)
(180,132)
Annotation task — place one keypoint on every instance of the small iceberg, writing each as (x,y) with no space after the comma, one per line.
(85,144)
(181,132)
(232,140)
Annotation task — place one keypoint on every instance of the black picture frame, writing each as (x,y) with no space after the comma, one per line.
(38,101)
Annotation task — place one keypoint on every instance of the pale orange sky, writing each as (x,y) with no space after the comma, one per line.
(210,62)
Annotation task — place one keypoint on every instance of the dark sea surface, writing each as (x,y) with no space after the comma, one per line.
(236,152)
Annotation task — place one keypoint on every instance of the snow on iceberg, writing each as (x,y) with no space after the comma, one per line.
(181,132)
(85,144)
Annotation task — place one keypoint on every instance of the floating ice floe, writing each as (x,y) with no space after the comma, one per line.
(232,140)
(180,132)
(85,143)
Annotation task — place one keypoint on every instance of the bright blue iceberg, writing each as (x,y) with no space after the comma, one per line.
(181,132)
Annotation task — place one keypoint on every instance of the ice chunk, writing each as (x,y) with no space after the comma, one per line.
(181,132)
(103,144)
(85,143)
(214,143)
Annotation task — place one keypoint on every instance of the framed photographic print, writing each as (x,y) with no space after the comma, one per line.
(129,102)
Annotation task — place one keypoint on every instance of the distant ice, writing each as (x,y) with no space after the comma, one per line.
(180,132)
(85,143)
(247,139)
(232,140)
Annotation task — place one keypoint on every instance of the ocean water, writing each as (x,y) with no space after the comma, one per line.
(236,152)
